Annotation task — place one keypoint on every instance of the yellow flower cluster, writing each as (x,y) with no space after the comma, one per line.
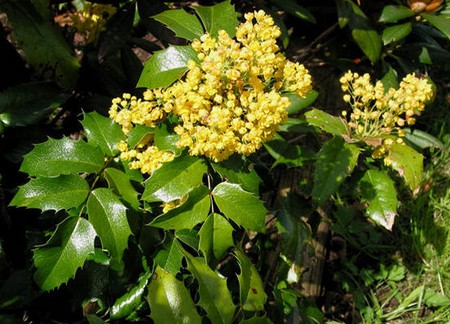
(230,102)
(378,114)
(90,21)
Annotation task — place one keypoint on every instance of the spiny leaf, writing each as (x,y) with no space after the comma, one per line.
(244,208)
(58,260)
(328,123)
(221,16)
(216,236)
(120,183)
(174,179)
(407,162)
(170,256)
(103,132)
(442,23)
(169,300)
(215,298)
(62,156)
(182,23)
(378,189)
(108,216)
(63,192)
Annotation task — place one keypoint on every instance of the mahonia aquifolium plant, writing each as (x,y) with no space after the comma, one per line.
(230,102)
(378,113)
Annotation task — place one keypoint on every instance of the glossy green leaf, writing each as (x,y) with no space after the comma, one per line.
(335,161)
(120,183)
(243,207)
(29,103)
(103,132)
(284,152)
(43,44)
(174,179)
(170,256)
(62,156)
(299,103)
(237,170)
(192,212)
(326,122)
(63,192)
(257,320)
(422,139)
(293,8)
(389,80)
(344,12)
(108,216)
(378,190)
(369,41)
(166,140)
(58,260)
(138,134)
(166,66)
(215,298)
(442,23)
(251,288)
(408,163)
(216,236)
(182,23)
(129,302)
(188,237)
(169,300)
(392,14)
(395,33)
(221,16)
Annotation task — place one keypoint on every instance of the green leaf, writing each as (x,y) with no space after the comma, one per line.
(139,133)
(395,33)
(243,207)
(221,16)
(392,14)
(284,152)
(174,179)
(216,236)
(29,103)
(237,170)
(108,216)
(442,23)
(389,80)
(299,103)
(326,122)
(169,300)
(182,23)
(215,298)
(369,41)
(125,305)
(378,189)
(422,139)
(103,132)
(62,156)
(257,320)
(335,161)
(192,212)
(344,10)
(43,44)
(188,237)
(407,162)
(58,260)
(291,7)
(63,192)
(170,256)
(120,183)
(166,140)
(252,294)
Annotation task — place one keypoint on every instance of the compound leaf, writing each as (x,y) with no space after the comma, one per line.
(326,122)
(63,192)
(120,183)
(392,14)
(58,260)
(442,23)
(170,256)
(216,236)
(395,33)
(62,156)
(221,16)
(407,162)
(182,23)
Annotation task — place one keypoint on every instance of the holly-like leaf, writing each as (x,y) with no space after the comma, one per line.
(103,132)
(326,122)
(293,8)
(442,23)
(389,80)
(284,152)
(62,156)
(243,207)
(378,189)
(169,300)
(252,294)
(43,44)
(58,260)
(174,179)
(369,41)
(221,16)
(215,298)
(407,162)
(335,162)
(299,103)
(108,216)
(392,14)
(138,134)
(182,23)
(166,66)
(120,183)
(125,305)
(188,237)
(422,139)
(216,236)
(170,256)
(63,192)
(192,212)
(395,33)
(166,140)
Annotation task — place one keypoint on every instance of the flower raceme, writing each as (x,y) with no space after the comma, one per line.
(230,102)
